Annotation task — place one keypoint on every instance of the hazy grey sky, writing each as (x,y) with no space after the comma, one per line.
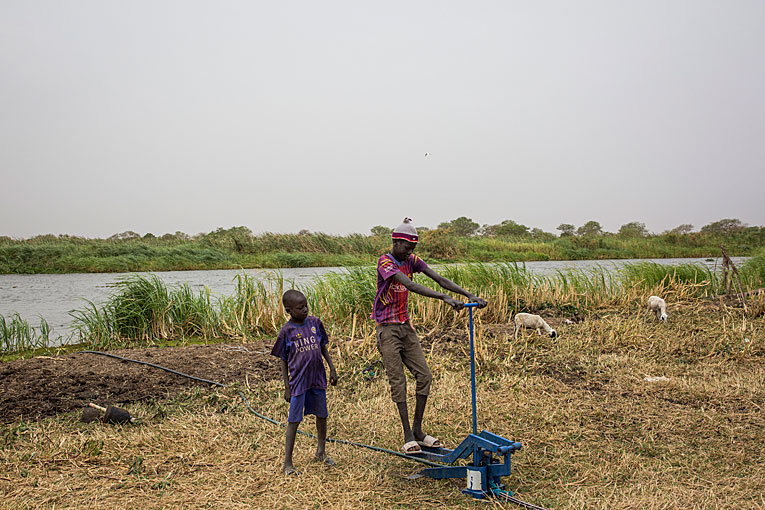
(157,116)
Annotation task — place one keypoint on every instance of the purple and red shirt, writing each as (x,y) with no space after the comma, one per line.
(392,297)
(300,346)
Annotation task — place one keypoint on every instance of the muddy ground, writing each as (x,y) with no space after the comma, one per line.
(44,386)
(47,385)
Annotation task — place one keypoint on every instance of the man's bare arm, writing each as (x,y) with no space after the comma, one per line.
(426,291)
(447,284)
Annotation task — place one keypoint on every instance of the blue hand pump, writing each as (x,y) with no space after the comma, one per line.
(470,307)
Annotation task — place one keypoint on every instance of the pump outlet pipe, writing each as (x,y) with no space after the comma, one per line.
(470,307)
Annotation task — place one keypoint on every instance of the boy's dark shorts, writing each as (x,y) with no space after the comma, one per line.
(313,401)
(399,346)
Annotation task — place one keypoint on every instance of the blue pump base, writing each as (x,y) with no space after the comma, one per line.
(483,475)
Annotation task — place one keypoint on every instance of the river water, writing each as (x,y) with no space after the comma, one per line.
(53,296)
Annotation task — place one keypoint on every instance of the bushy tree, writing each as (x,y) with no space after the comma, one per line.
(177,236)
(566,229)
(380,231)
(45,238)
(128,234)
(633,229)
(237,238)
(685,228)
(506,228)
(462,226)
(438,244)
(538,233)
(241,237)
(591,228)
(725,226)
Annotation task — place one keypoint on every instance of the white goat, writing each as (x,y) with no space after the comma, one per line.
(529,321)
(658,307)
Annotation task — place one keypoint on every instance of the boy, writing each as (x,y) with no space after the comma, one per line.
(301,344)
(396,339)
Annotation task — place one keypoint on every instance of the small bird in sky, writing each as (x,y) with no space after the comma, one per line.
(427,154)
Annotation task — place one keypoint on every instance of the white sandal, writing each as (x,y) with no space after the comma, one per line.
(411,447)
(430,442)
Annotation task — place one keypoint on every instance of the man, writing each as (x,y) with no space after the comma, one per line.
(396,339)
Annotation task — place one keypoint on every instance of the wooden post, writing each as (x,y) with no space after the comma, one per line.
(729,271)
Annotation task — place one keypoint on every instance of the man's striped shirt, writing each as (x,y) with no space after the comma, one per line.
(392,297)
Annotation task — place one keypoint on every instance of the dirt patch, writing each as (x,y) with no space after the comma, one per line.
(453,338)
(45,386)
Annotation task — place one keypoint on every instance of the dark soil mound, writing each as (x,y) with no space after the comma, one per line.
(45,386)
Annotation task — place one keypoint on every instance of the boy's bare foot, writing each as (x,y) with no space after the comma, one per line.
(290,470)
(326,459)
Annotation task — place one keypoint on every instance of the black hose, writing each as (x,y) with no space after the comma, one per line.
(253,411)
(496,491)
(206,381)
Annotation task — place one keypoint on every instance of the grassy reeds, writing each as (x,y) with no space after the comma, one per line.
(143,310)
(73,255)
(17,334)
(237,247)
(753,272)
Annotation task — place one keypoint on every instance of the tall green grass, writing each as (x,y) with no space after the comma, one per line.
(17,334)
(753,271)
(143,310)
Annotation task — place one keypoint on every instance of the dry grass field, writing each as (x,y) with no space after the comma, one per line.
(619,412)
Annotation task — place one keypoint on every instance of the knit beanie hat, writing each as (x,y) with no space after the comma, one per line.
(406,231)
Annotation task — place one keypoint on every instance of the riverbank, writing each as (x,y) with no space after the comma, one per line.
(142,309)
(54,296)
(621,411)
(227,250)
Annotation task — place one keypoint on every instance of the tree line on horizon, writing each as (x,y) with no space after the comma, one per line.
(466,227)
(458,240)
(460,227)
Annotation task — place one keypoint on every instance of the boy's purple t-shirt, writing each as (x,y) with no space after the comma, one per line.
(300,347)
(392,297)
